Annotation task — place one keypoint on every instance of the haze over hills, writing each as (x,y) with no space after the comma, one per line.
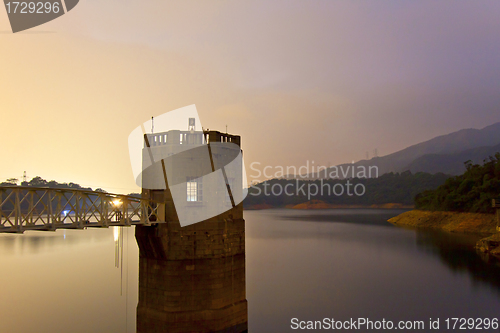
(445,153)
(415,169)
(451,164)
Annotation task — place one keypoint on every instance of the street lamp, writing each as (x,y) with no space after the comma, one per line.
(117,203)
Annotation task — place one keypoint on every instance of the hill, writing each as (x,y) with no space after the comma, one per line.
(391,188)
(453,143)
(470,192)
(452,164)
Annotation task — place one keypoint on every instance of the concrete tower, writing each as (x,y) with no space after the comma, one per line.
(192,278)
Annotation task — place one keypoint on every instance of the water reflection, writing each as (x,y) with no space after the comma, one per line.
(35,242)
(456,251)
(295,267)
(346,264)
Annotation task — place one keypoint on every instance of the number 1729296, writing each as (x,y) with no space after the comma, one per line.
(471,323)
(32,7)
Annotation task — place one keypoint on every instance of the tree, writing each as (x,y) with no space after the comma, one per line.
(12,181)
(469,192)
(37,182)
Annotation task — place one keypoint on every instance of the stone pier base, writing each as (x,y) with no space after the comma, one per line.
(192,279)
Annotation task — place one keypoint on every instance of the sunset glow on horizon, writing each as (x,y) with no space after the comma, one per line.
(298,80)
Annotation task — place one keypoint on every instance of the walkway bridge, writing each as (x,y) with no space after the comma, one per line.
(40,208)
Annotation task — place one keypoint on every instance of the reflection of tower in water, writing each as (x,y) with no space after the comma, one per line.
(192,278)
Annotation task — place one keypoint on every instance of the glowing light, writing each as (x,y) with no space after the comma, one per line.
(65,212)
(117,202)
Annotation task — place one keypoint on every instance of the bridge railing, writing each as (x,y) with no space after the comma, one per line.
(30,208)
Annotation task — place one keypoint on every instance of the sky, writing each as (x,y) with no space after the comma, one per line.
(307,80)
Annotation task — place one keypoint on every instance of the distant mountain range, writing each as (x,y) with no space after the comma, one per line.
(445,153)
(452,164)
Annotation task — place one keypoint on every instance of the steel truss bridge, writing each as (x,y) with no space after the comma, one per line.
(39,208)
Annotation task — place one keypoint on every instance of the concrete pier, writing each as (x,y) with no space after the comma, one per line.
(192,279)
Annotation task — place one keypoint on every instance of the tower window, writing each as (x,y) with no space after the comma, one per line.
(194,189)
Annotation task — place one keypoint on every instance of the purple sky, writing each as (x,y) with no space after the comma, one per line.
(299,80)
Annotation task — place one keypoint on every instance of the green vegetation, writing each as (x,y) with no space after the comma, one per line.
(388,188)
(40,182)
(470,192)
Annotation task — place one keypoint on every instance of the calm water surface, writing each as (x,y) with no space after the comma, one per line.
(309,265)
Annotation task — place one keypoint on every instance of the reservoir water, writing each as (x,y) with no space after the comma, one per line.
(310,265)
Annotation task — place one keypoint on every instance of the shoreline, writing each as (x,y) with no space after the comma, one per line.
(456,222)
(318,204)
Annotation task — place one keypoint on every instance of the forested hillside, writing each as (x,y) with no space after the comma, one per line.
(388,188)
(469,192)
